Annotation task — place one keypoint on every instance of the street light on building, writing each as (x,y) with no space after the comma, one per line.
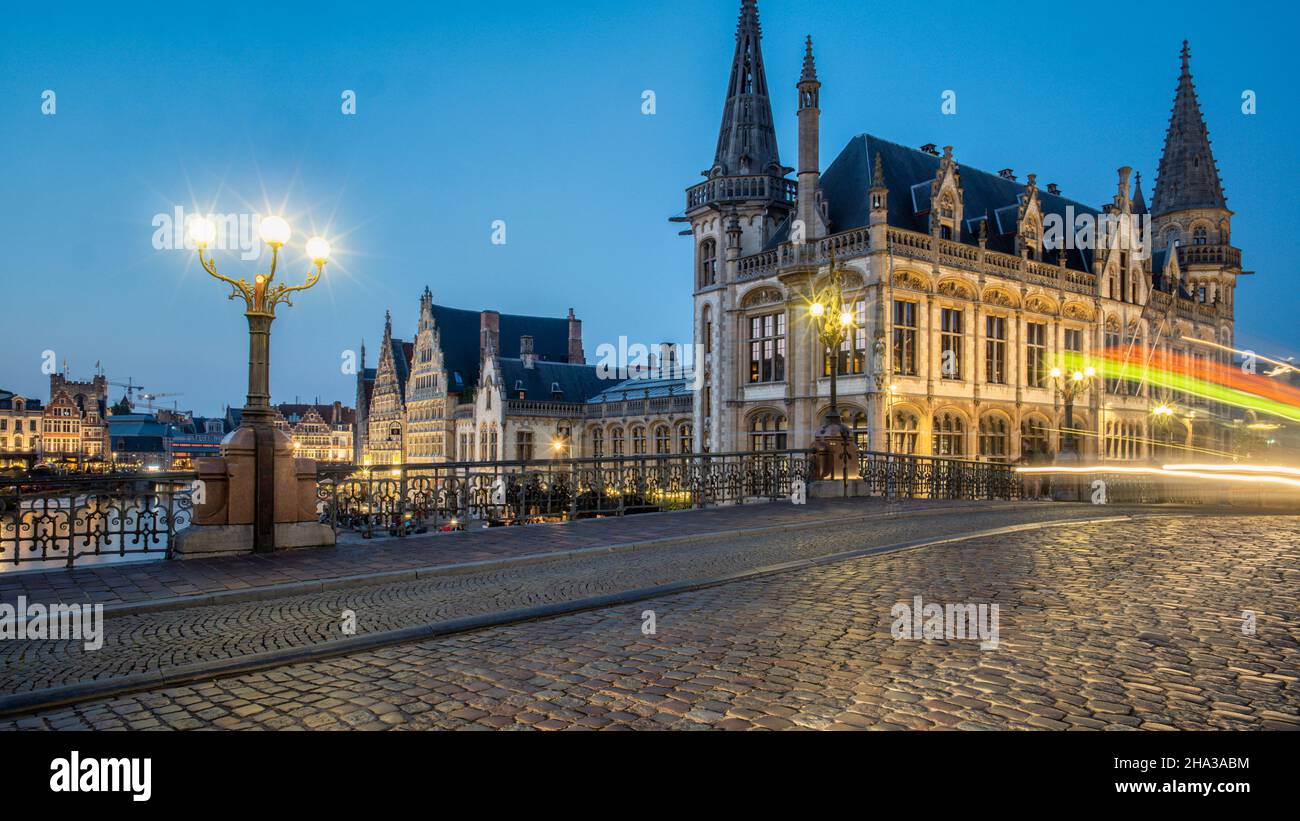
(1070,384)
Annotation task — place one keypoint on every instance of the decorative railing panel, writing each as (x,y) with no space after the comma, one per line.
(66,520)
(407,499)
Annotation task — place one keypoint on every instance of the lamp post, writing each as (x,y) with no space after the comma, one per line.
(261,297)
(833,322)
(1070,384)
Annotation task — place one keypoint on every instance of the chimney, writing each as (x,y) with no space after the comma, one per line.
(930,149)
(576,356)
(526,352)
(1053,188)
(489,333)
(1007,174)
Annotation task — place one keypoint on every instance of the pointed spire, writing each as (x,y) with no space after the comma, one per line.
(747,140)
(809,64)
(1188,177)
(878,175)
(1139,205)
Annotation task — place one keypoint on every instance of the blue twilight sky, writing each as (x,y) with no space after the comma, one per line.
(530,112)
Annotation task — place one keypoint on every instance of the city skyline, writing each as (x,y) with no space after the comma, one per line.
(409,187)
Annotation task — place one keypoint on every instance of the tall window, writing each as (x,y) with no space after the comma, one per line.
(950,343)
(995,440)
(1199,235)
(663,440)
(686,438)
(708,263)
(949,435)
(616,441)
(767,348)
(1114,342)
(1033,437)
(524,445)
(903,426)
(767,432)
(597,442)
(853,350)
(1074,340)
(638,441)
(1036,354)
(995,350)
(905,338)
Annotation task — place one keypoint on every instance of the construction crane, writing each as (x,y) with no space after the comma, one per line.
(131,388)
(150,397)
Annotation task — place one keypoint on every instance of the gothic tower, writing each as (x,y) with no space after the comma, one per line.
(1188,207)
(734,213)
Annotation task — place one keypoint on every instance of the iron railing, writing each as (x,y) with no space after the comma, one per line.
(405,499)
(902,476)
(66,519)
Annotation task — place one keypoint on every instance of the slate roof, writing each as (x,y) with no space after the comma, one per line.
(577,383)
(643,388)
(459,330)
(7,401)
(908,173)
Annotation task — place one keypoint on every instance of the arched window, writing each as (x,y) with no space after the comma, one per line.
(597,442)
(663,440)
(708,263)
(638,441)
(1034,440)
(1200,236)
(616,442)
(1033,246)
(903,426)
(995,440)
(686,439)
(767,432)
(949,435)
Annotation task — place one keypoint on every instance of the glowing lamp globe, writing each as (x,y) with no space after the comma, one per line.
(817,309)
(202,232)
(275,231)
(318,250)
(846,319)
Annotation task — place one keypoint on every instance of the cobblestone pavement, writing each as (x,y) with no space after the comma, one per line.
(153,641)
(148,580)
(1116,626)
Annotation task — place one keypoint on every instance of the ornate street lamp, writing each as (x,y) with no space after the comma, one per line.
(1070,384)
(260,439)
(261,298)
(834,322)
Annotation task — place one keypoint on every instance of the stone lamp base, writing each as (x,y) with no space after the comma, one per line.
(224,518)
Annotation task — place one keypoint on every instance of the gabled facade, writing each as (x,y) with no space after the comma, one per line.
(963,297)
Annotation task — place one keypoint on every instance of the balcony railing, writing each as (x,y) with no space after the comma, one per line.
(67,520)
(737,189)
(1224,255)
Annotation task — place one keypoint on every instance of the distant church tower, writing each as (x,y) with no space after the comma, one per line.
(734,213)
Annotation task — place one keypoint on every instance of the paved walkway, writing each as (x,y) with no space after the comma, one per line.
(1103,626)
(160,642)
(153,580)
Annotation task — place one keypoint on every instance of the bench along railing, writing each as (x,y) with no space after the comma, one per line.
(70,519)
(403,499)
